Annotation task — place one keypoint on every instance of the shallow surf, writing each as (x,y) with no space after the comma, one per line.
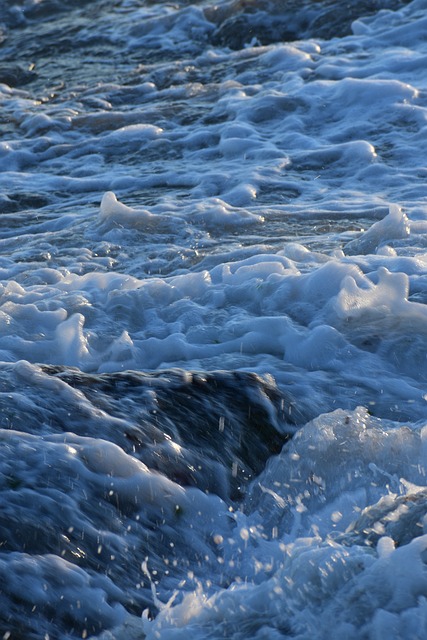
(213,320)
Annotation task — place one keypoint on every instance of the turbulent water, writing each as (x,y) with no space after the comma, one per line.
(213,319)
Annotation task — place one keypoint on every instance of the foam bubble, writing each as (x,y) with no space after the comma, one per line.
(389,297)
(115,213)
(214,212)
(394,226)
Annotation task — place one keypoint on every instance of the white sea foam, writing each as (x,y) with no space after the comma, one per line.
(115,213)
(258,209)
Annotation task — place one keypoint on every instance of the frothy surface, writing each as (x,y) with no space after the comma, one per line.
(213,319)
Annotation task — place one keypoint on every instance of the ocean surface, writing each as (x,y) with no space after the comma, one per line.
(213,320)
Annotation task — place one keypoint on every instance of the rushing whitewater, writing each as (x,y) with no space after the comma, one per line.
(213,320)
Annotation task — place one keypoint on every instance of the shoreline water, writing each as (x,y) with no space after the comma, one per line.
(213,321)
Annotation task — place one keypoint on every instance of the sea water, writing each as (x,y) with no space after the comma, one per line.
(213,320)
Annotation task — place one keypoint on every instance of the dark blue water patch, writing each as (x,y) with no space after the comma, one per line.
(19,201)
(267,22)
(16,75)
(54,44)
(211,430)
(226,424)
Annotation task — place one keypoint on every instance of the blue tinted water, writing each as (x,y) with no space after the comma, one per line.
(213,320)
